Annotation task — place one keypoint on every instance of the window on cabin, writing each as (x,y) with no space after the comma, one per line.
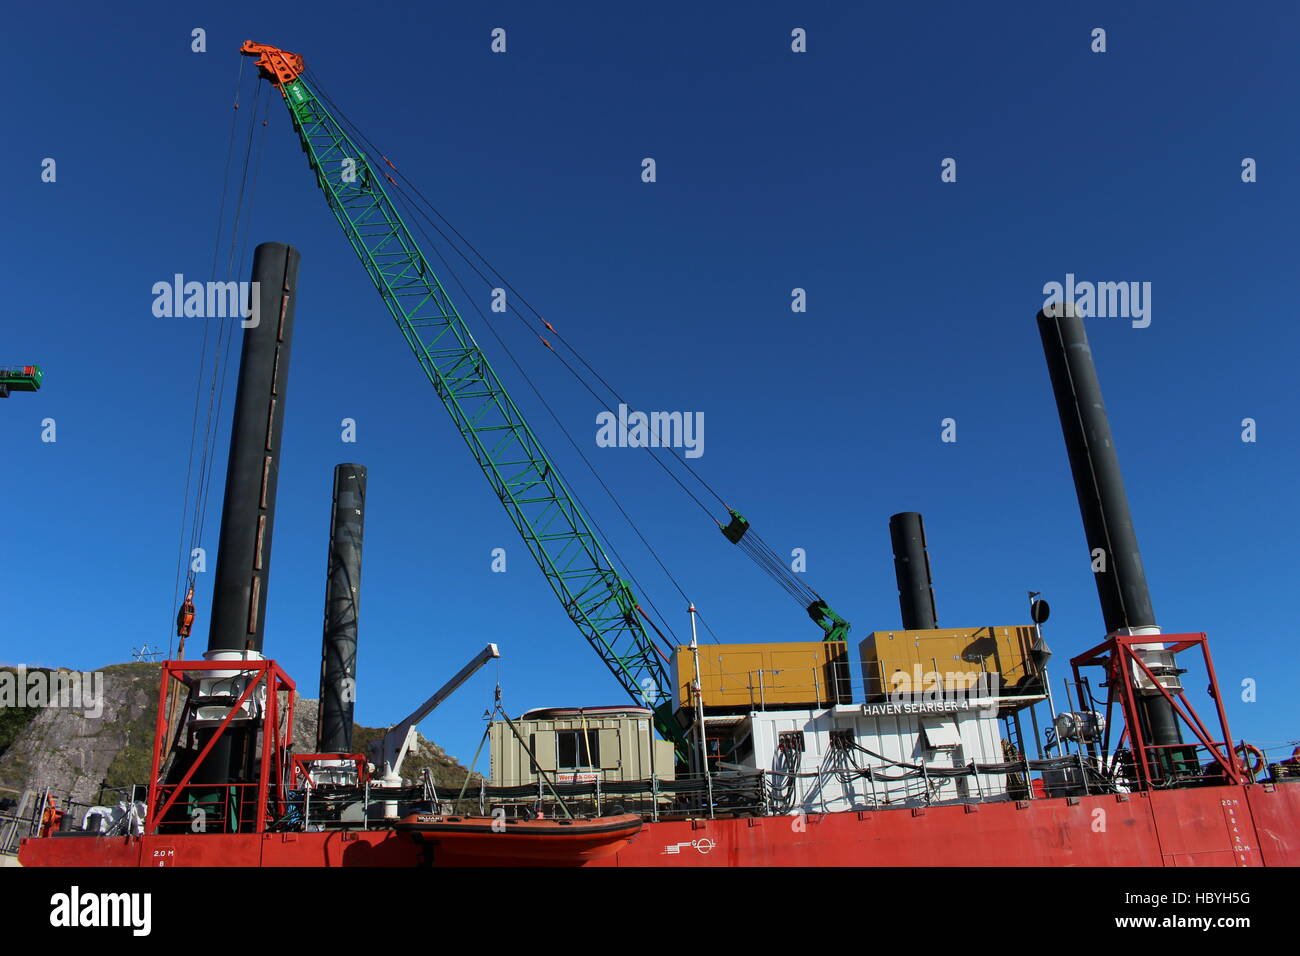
(576,750)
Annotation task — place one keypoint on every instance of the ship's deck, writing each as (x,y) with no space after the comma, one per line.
(1250,825)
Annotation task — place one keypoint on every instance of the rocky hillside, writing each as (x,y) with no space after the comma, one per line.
(78,755)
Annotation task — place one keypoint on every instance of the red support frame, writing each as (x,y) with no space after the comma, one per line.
(300,767)
(1118,655)
(275,743)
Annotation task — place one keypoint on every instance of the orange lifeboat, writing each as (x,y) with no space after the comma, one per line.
(545,842)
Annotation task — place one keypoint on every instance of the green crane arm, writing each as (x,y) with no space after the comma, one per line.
(535,497)
(21,378)
(836,628)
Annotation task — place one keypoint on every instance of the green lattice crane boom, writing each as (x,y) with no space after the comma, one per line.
(595,596)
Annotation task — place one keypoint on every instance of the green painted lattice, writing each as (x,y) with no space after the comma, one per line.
(536,498)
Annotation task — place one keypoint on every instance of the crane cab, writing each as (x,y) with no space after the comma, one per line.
(21,378)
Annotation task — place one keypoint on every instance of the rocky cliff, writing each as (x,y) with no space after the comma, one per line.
(77,755)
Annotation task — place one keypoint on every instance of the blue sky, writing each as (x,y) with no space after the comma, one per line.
(775,170)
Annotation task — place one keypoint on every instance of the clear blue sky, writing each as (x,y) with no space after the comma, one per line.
(775,171)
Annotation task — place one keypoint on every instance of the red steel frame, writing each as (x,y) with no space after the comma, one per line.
(1118,656)
(300,766)
(274,744)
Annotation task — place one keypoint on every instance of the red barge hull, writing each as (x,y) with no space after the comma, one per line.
(1249,825)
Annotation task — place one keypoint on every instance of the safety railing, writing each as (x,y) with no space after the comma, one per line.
(13,828)
(210,808)
(687,795)
(847,786)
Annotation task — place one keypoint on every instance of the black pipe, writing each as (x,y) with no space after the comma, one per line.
(912,569)
(243,570)
(1107,522)
(342,606)
(248,511)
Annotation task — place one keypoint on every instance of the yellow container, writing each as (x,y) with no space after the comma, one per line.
(904,660)
(755,676)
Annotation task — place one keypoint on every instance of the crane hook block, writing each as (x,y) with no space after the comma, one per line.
(185,617)
(736,530)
